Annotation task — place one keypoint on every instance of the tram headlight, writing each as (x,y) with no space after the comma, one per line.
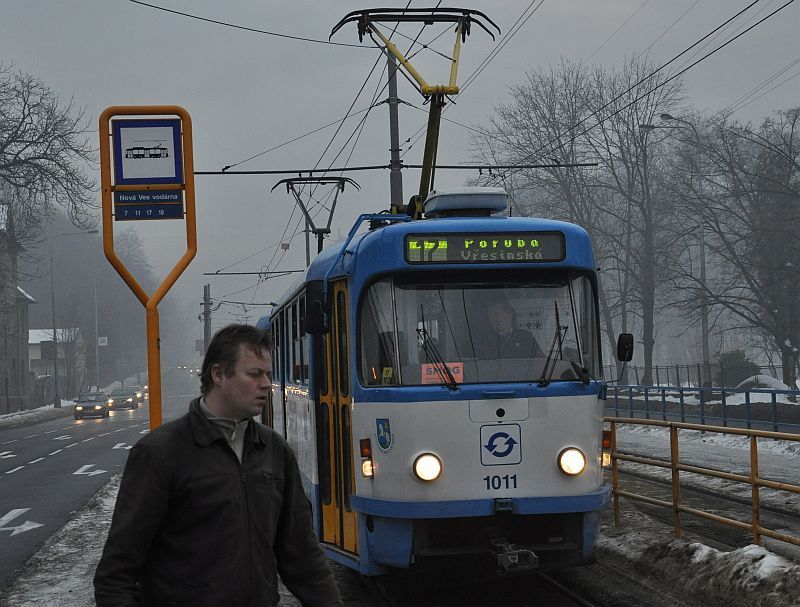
(571,461)
(427,467)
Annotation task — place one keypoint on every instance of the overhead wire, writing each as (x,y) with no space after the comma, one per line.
(523,18)
(248,29)
(616,31)
(594,114)
(671,25)
(327,147)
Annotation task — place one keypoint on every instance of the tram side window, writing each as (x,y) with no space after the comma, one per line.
(378,352)
(276,349)
(299,370)
(304,341)
(341,338)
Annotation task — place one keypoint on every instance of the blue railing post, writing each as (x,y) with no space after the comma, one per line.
(683,412)
(774,412)
(646,402)
(616,401)
(630,400)
(664,404)
(702,405)
(724,410)
(747,408)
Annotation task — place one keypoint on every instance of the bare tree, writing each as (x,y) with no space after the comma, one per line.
(575,114)
(750,202)
(44,150)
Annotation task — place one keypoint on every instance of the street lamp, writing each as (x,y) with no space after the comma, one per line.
(56,398)
(703,292)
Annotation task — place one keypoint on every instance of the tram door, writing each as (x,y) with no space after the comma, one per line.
(336,467)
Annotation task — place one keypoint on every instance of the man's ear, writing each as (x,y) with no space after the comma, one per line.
(217,373)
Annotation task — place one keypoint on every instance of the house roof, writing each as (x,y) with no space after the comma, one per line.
(25,295)
(37,336)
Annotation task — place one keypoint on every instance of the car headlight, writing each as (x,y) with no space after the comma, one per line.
(79,408)
(98,407)
(427,467)
(138,395)
(571,461)
(130,400)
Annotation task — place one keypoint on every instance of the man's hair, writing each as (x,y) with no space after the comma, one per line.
(224,350)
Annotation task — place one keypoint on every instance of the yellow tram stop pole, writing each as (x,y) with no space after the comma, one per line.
(147,173)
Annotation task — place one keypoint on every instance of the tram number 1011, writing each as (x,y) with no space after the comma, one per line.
(500,482)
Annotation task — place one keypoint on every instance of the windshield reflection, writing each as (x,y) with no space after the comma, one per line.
(477,332)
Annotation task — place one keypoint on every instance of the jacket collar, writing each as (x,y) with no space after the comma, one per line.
(205,433)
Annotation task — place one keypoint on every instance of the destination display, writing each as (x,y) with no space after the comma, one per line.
(485,248)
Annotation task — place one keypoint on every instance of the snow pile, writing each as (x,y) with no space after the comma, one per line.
(40,414)
(703,575)
(747,576)
(61,572)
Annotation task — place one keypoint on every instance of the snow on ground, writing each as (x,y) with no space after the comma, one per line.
(749,576)
(61,571)
(40,414)
(777,460)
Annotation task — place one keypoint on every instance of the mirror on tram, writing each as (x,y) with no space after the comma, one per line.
(316,321)
(625,347)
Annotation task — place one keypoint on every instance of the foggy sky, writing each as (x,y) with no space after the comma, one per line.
(247,92)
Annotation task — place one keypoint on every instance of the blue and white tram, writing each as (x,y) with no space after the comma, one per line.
(420,439)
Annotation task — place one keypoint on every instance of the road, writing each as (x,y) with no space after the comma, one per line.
(51,469)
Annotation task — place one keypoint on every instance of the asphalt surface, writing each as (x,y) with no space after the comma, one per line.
(49,470)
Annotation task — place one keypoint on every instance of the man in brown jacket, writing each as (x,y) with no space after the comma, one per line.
(211,506)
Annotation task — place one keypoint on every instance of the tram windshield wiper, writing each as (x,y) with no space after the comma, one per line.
(558,340)
(432,354)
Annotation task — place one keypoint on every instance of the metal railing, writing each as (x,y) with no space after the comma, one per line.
(674,464)
(758,408)
(696,374)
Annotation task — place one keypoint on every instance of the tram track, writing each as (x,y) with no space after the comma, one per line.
(716,535)
(467,589)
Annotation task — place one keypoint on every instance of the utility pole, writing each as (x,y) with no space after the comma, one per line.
(395,164)
(206,317)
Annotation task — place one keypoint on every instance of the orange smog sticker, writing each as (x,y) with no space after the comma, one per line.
(434,373)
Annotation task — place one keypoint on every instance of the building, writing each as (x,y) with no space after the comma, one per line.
(15,381)
(71,363)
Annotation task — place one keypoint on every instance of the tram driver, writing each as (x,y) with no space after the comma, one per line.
(506,340)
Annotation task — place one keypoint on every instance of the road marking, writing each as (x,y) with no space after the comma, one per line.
(62,437)
(8,442)
(120,430)
(122,446)
(144,431)
(38,459)
(32,436)
(7,454)
(13,470)
(56,451)
(70,445)
(11,515)
(104,434)
(85,470)
(51,431)
(86,440)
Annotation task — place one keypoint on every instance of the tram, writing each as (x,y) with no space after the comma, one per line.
(421,441)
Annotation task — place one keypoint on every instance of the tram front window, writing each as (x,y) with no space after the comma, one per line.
(467,332)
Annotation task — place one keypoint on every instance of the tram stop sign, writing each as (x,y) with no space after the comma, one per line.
(147,154)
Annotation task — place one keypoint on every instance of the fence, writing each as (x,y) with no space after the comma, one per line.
(675,465)
(697,374)
(760,408)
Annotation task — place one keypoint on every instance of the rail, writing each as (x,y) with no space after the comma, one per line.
(675,465)
(751,408)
